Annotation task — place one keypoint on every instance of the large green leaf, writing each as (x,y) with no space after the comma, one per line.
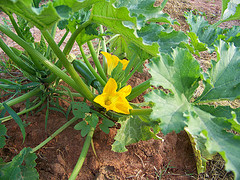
(134,129)
(224,111)
(224,76)
(179,74)
(233,35)
(167,38)
(209,128)
(43,17)
(170,108)
(119,21)
(230,10)
(206,33)
(221,111)
(22,167)
(217,138)
(145,11)
(77,4)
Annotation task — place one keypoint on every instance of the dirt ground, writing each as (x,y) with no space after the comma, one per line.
(172,158)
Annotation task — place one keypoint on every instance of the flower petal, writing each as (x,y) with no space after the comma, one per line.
(125,91)
(121,105)
(125,63)
(107,55)
(100,99)
(111,87)
(122,108)
(112,61)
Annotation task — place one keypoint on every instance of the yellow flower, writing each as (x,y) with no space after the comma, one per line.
(113,100)
(113,61)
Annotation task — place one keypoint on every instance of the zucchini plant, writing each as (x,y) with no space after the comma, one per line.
(134,35)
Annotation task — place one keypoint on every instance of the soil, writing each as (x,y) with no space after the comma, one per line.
(172,158)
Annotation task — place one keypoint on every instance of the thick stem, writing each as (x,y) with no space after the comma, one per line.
(136,91)
(4,119)
(53,32)
(63,38)
(22,98)
(102,82)
(83,155)
(22,43)
(131,74)
(16,59)
(15,25)
(73,37)
(96,61)
(54,134)
(40,58)
(140,112)
(84,88)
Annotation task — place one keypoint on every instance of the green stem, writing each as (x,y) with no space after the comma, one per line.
(96,61)
(136,91)
(39,57)
(130,64)
(73,37)
(22,98)
(4,119)
(131,74)
(84,88)
(63,38)
(15,25)
(104,49)
(16,59)
(83,155)
(113,37)
(54,134)
(52,77)
(66,93)
(140,112)
(68,47)
(53,32)
(102,82)
(217,24)
(22,43)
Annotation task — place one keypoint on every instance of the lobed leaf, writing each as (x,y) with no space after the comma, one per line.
(167,39)
(217,139)
(134,129)
(170,109)
(224,76)
(119,21)
(106,124)
(179,74)
(43,18)
(76,4)
(79,109)
(230,10)
(205,32)
(22,167)
(145,11)
(233,35)
(208,127)
(3,131)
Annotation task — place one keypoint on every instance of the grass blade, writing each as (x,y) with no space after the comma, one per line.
(17,119)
